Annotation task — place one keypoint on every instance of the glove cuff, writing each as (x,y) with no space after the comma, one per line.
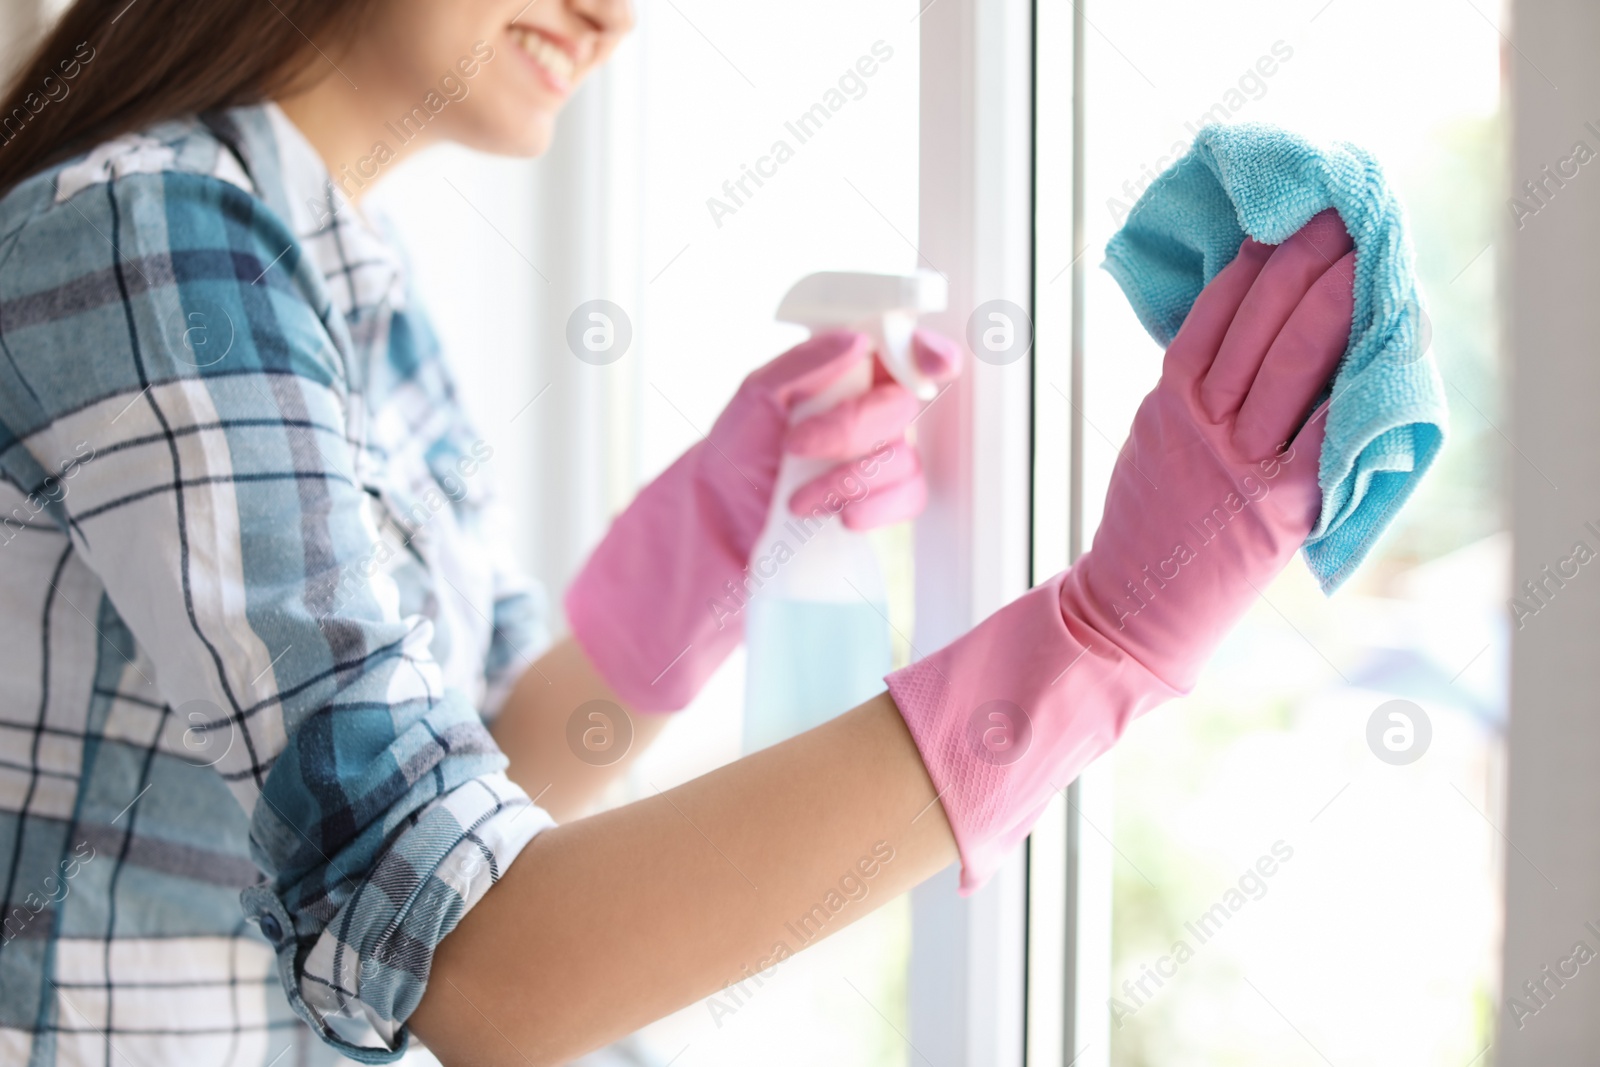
(1011,712)
(650,607)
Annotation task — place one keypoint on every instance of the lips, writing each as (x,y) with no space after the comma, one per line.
(552,60)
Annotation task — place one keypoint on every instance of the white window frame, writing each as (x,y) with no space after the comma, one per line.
(968,969)
(1070,855)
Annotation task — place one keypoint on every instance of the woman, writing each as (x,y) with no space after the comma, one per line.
(257,614)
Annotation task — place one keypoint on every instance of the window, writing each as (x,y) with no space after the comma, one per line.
(999,146)
(1382,930)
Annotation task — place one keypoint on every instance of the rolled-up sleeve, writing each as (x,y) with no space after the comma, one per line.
(225,517)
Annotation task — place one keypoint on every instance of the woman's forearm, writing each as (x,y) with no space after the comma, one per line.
(566,769)
(606,924)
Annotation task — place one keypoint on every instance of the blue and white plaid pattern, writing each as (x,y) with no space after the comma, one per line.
(254,607)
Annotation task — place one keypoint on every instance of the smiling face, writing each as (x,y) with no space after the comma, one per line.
(503,67)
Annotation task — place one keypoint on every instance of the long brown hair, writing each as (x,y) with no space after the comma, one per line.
(108,67)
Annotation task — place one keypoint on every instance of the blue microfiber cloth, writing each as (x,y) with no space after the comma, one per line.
(1387,419)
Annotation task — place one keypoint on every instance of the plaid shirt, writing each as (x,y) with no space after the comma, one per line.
(253,611)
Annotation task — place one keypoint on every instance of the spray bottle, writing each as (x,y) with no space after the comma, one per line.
(818,629)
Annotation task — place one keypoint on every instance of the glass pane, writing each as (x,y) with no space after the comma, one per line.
(769,153)
(1375,938)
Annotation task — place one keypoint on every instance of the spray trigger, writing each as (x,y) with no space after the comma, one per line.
(884,306)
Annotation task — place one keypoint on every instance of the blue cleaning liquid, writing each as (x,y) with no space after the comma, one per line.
(809,660)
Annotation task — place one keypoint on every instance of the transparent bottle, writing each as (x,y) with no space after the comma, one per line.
(817,629)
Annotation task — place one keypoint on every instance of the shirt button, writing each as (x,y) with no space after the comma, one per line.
(271,929)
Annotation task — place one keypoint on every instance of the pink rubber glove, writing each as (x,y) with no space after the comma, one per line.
(644,606)
(1206,505)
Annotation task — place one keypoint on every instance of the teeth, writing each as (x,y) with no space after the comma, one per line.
(544,53)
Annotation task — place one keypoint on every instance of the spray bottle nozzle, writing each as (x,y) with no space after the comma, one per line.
(885,306)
